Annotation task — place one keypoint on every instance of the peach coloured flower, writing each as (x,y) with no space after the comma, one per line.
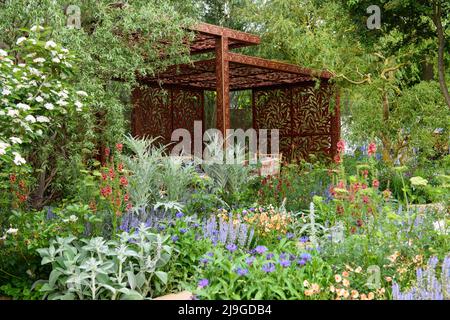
(388,279)
(370,296)
(355,294)
(344,293)
(358,270)
(315,287)
(363,296)
(309,292)
(345,274)
(346,283)
(332,288)
(338,278)
(306,283)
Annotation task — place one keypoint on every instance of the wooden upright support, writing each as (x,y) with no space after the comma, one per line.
(222,85)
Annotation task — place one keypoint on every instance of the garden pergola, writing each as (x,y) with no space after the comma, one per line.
(293,99)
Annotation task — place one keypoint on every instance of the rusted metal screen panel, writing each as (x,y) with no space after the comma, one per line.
(303,116)
(158,112)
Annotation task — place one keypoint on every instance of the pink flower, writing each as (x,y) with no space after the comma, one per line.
(341,146)
(365,199)
(372,149)
(119,147)
(123,181)
(375,183)
(337,158)
(107,151)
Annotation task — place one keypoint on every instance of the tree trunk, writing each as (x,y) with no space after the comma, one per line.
(441,43)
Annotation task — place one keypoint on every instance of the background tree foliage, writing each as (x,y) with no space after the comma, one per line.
(116,42)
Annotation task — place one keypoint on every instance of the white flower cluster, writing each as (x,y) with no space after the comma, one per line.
(32,94)
(10,231)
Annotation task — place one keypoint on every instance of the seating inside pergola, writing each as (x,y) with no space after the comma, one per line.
(294,99)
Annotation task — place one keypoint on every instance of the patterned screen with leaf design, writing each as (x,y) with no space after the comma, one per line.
(303,115)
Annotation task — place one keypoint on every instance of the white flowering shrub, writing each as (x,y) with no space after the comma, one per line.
(35,91)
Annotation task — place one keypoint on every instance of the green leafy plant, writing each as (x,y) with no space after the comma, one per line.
(128,268)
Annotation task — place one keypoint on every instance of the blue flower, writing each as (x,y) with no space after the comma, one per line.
(203,283)
(231,247)
(269,256)
(204,261)
(210,254)
(283,256)
(279,238)
(241,271)
(183,230)
(249,260)
(161,227)
(174,238)
(304,239)
(301,262)
(305,256)
(268,267)
(179,215)
(260,249)
(289,235)
(284,263)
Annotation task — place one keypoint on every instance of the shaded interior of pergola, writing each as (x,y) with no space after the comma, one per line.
(284,96)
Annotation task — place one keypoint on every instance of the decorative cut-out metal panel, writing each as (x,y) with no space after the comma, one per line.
(151,113)
(302,115)
(157,112)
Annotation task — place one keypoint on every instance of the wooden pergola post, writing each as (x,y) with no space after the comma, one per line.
(222,85)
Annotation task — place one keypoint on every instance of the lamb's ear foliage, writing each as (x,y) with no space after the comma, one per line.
(100,269)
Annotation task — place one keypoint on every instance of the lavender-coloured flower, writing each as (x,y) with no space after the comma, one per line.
(249,260)
(204,261)
(289,235)
(183,230)
(260,249)
(161,227)
(301,262)
(304,239)
(268,267)
(179,215)
(283,256)
(242,271)
(203,283)
(284,263)
(174,238)
(305,256)
(269,256)
(231,247)
(210,254)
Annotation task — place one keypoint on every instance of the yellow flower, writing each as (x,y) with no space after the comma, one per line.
(358,270)
(394,256)
(338,278)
